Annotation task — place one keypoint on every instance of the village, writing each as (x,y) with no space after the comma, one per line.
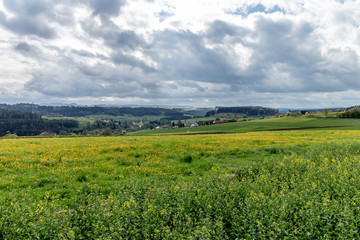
(181,124)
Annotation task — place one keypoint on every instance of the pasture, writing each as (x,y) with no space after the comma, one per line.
(301,122)
(255,185)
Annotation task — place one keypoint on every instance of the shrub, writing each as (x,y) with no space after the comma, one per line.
(186,159)
(107,132)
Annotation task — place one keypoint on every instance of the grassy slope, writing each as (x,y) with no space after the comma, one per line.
(258,125)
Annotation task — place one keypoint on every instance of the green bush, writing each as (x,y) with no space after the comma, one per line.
(186,159)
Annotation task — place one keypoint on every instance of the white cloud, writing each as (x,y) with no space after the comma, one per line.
(213,52)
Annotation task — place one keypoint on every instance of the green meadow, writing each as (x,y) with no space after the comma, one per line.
(291,184)
(284,123)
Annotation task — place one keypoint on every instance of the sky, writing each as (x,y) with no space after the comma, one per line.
(201,53)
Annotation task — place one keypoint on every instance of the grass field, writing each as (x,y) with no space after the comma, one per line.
(262,125)
(286,184)
(126,117)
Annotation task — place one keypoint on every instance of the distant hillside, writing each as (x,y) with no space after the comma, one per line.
(301,122)
(245,111)
(81,111)
(31,124)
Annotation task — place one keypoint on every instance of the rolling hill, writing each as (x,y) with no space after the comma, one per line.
(272,124)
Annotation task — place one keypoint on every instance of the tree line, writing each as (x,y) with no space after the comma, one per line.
(81,111)
(248,111)
(353,112)
(32,124)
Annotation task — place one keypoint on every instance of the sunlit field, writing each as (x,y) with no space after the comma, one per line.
(285,123)
(287,184)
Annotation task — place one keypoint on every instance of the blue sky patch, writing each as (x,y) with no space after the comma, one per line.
(257,8)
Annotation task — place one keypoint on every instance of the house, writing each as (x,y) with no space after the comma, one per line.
(201,123)
(186,124)
(194,124)
(105,121)
(304,112)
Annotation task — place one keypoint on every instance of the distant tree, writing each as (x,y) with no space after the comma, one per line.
(179,123)
(147,126)
(107,132)
(351,113)
(164,122)
(210,113)
(326,112)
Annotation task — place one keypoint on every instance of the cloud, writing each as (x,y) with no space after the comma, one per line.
(28,50)
(131,61)
(29,17)
(106,7)
(30,7)
(158,51)
(290,58)
(29,26)
(183,56)
(123,39)
(218,30)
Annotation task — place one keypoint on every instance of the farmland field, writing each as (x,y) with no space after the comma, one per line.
(262,125)
(255,185)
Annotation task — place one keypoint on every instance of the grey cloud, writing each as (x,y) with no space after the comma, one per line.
(106,7)
(23,47)
(218,30)
(123,39)
(60,87)
(30,18)
(27,50)
(70,79)
(296,48)
(183,56)
(86,54)
(193,85)
(285,57)
(91,86)
(83,53)
(36,17)
(90,71)
(114,37)
(123,44)
(28,7)
(30,26)
(125,59)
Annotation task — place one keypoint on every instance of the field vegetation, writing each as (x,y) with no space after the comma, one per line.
(256,185)
(284,123)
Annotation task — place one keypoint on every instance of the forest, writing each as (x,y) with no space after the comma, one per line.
(247,111)
(81,111)
(32,124)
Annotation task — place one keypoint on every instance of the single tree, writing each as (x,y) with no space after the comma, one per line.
(107,132)
(179,123)
(326,112)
